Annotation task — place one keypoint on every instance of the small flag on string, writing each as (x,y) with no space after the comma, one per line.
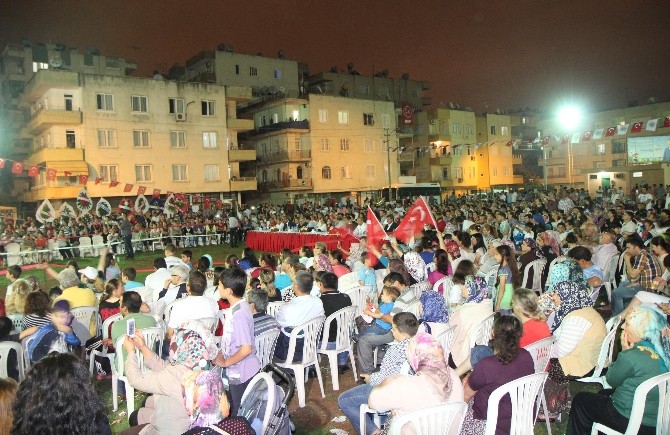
(598,134)
(51,174)
(128,187)
(17,168)
(98,180)
(141,190)
(575,137)
(636,127)
(622,129)
(33,171)
(157,193)
(586,136)
(666,122)
(113,183)
(68,173)
(2,163)
(610,131)
(545,140)
(564,140)
(651,124)
(83,179)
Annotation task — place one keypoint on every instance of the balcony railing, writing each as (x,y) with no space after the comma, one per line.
(290,184)
(284,156)
(298,125)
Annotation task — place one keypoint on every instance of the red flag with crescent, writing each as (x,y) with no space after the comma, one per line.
(141,190)
(611,131)
(51,174)
(157,193)
(128,187)
(417,216)
(113,183)
(636,127)
(83,179)
(33,171)
(17,168)
(2,163)
(375,234)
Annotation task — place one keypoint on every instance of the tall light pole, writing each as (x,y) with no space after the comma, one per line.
(569,118)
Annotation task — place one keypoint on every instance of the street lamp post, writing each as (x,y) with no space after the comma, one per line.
(569,117)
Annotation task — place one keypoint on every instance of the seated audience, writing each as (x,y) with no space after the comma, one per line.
(258,302)
(195,306)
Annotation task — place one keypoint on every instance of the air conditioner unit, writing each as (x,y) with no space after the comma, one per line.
(433,122)
(181,117)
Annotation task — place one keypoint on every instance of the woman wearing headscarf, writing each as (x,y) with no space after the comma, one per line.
(569,271)
(548,241)
(193,347)
(645,343)
(477,306)
(529,253)
(579,331)
(208,408)
(415,266)
(433,383)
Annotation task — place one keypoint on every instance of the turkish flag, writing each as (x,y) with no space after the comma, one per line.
(510,143)
(113,183)
(636,127)
(417,216)
(141,190)
(98,180)
(207,203)
(17,168)
(2,163)
(157,193)
(33,171)
(51,174)
(180,196)
(666,122)
(375,233)
(196,199)
(128,187)
(565,139)
(83,179)
(545,140)
(219,203)
(586,136)
(611,131)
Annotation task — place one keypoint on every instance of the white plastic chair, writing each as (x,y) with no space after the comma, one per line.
(54,252)
(524,393)
(414,308)
(14,257)
(481,332)
(610,272)
(153,339)
(83,318)
(613,323)
(310,331)
(419,288)
(380,274)
(97,243)
(105,333)
(538,267)
(345,325)
(265,346)
(540,351)
(446,340)
(273,308)
(604,360)
(85,248)
(347,281)
(430,267)
(444,283)
(639,402)
(5,348)
(364,409)
(445,418)
(17,321)
(359,296)
(25,343)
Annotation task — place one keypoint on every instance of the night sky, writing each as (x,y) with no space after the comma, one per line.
(484,54)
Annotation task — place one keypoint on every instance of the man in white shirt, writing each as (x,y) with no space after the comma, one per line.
(605,250)
(361,229)
(302,308)
(645,198)
(170,258)
(195,306)
(153,283)
(233,225)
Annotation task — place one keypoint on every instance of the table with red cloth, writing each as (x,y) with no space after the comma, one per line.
(269,241)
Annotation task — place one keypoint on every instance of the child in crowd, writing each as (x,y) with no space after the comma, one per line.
(55,336)
(367,275)
(231,261)
(379,326)
(186,256)
(509,278)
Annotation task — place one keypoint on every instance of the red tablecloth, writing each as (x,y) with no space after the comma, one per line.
(275,242)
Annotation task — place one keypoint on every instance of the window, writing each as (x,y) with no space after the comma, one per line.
(138,103)
(40,65)
(444,128)
(493,129)
(209,139)
(140,138)
(344,144)
(106,138)
(325,173)
(369,145)
(70,139)
(600,148)
(325,146)
(277,73)
(507,171)
(368,119)
(143,173)
(618,146)
(344,172)
(495,172)
(445,173)
(619,162)
(109,173)
(323,116)
(386,121)
(253,71)
(343,117)
(369,171)
(179,173)
(178,139)
(105,101)
(296,143)
(458,173)
(503,130)
(176,106)
(208,107)
(212,173)
(468,129)
(455,128)
(237,70)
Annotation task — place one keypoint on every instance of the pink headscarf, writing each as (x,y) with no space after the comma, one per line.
(550,238)
(426,357)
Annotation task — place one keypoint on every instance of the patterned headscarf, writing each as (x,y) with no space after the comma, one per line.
(652,327)
(415,266)
(321,262)
(533,247)
(572,298)
(567,270)
(426,357)
(477,289)
(193,346)
(452,248)
(434,307)
(202,391)
(550,238)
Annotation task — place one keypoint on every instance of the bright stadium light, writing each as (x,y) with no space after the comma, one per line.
(569,117)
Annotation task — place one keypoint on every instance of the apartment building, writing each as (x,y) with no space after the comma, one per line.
(144,132)
(631,152)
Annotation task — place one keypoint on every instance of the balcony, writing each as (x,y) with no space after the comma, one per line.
(48,117)
(447,182)
(287,125)
(517,160)
(56,155)
(285,156)
(40,193)
(517,179)
(406,157)
(46,79)
(238,124)
(238,184)
(441,161)
(286,185)
(237,155)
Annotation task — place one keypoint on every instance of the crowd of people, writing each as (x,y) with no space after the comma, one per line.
(479,259)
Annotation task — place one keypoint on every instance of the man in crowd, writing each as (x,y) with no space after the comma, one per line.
(13,273)
(641,269)
(131,304)
(170,258)
(153,283)
(333,301)
(195,306)
(604,250)
(593,274)
(126,229)
(263,322)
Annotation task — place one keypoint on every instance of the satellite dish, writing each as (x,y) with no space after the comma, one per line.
(56,62)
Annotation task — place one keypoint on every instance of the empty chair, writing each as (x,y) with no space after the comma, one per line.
(345,325)
(523,392)
(442,419)
(273,308)
(265,346)
(604,360)
(359,297)
(85,247)
(481,333)
(97,243)
(310,332)
(14,257)
(6,347)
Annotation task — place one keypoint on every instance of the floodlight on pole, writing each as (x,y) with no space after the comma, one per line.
(569,118)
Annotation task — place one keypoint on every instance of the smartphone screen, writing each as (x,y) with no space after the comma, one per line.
(130,328)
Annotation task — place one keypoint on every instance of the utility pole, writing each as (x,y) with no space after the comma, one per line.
(387,141)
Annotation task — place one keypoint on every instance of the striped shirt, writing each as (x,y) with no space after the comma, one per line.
(33,320)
